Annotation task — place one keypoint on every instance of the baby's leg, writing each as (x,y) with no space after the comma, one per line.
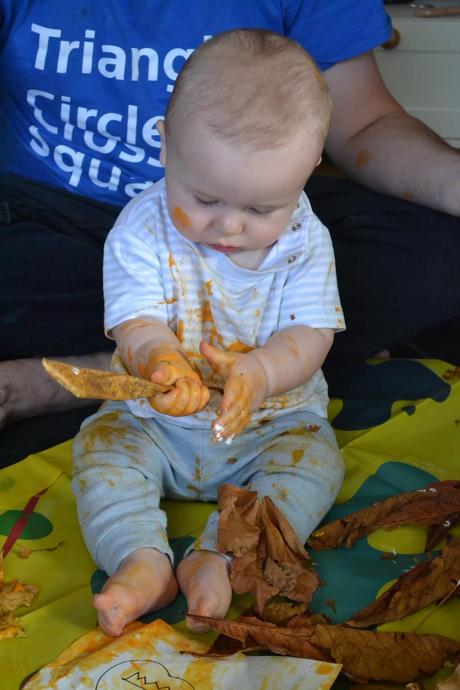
(143,582)
(204,578)
(302,472)
(118,482)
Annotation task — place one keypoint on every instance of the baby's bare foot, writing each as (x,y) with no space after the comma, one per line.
(203,577)
(144,582)
(27,390)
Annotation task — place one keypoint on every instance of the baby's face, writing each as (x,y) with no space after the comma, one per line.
(232,197)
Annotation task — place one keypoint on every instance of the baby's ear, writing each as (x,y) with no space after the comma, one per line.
(160,125)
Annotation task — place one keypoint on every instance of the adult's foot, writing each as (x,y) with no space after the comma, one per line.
(143,582)
(203,577)
(27,390)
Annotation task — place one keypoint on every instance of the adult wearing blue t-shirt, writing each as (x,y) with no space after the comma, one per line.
(83,86)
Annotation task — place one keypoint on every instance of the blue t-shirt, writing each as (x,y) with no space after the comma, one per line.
(84,83)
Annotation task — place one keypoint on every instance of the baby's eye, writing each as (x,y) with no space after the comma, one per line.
(260,211)
(205,202)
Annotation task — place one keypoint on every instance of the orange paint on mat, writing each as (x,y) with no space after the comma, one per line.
(363,157)
(180,218)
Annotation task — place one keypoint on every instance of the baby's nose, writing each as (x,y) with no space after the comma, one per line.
(232,224)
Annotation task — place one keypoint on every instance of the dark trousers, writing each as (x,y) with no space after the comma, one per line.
(397,265)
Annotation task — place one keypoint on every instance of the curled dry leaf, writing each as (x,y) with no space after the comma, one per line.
(285,641)
(425,584)
(423,507)
(364,655)
(437,532)
(269,559)
(13,595)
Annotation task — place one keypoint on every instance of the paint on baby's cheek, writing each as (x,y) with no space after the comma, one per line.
(180,218)
(363,157)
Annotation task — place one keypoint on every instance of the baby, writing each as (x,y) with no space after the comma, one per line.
(219,283)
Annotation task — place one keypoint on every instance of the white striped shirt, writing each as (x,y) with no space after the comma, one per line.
(150,269)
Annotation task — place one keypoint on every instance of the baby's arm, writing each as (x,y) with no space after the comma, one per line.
(150,349)
(288,359)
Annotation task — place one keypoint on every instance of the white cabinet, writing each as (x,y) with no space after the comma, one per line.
(423,70)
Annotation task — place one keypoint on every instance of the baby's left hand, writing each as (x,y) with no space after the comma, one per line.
(244,390)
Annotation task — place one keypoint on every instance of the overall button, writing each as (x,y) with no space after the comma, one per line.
(292,258)
(296,226)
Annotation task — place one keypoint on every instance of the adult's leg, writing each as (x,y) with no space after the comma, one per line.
(397,269)
(51,302)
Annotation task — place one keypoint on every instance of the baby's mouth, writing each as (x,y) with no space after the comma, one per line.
(226,249)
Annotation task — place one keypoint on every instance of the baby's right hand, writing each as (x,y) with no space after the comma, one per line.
(189,395)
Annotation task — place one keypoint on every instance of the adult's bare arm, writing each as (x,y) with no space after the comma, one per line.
(376,142)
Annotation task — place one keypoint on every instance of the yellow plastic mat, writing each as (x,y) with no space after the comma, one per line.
(399,428)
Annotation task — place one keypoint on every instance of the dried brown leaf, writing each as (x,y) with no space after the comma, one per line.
(268,559)
(285,641)
(437,532)
(425,584)
(13,595)
(423,507)
(280,612)
(388,656)
(283,545)
(364,655)
(239,521)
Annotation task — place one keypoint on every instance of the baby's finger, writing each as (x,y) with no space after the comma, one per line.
(164,402)
(198,396)
(234,413)
(163,373)
(220,360)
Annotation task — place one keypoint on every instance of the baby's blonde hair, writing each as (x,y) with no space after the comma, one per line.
(251,85)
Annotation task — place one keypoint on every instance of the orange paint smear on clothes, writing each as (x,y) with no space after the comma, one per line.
(238,346)
(363,158)
(211,333)
(104,434)
(171,300)
(180,218)
(208,287)
(171,261)
(180,331)
(297,455)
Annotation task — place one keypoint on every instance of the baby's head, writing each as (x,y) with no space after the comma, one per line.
(244,130)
